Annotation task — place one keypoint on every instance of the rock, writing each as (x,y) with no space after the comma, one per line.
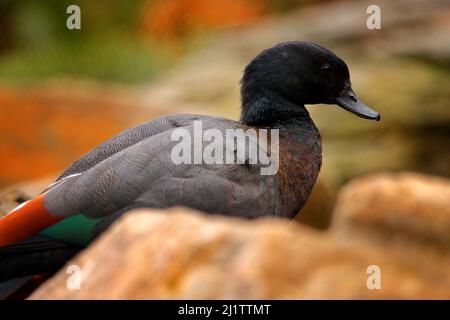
(12,196)
(38,136)
(181,254)
(173,19)
(405,215)
(408,205)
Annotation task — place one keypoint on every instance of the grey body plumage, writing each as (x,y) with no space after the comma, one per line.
(134,169)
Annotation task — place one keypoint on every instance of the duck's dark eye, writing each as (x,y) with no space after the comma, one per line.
(325,67)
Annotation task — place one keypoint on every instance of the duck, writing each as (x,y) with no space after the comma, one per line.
(135,169)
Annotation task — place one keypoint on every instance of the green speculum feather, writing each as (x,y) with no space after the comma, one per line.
(78,230)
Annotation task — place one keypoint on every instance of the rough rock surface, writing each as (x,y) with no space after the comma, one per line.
(405,215)
(46,127)
(409,205)
(14,195)
(178,253)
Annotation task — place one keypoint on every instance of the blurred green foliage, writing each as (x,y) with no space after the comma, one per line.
(35,42)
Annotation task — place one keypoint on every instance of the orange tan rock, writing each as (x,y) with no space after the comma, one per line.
(404,215)
(179,253)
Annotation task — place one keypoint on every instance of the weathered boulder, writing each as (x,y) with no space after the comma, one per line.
(178,253)
(47,126)
(12,196)
(405,215)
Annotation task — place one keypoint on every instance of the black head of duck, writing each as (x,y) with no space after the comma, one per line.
(136,169)
(280,81)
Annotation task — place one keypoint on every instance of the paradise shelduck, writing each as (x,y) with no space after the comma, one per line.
(136,168)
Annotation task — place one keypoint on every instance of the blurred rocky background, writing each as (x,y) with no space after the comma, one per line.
(63,91)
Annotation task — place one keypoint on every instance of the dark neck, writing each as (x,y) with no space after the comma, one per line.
(268,109)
